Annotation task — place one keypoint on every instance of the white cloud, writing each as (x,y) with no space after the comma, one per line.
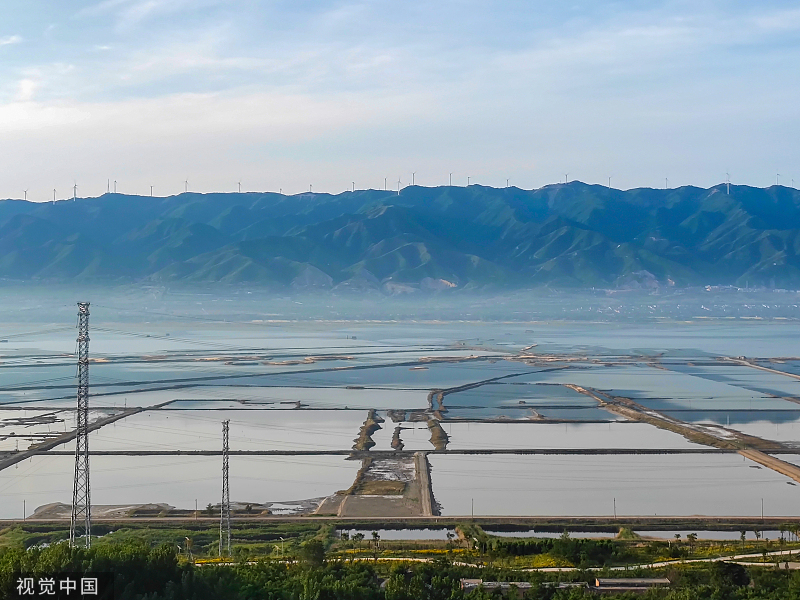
(779,21)
(26,89)
(11,39)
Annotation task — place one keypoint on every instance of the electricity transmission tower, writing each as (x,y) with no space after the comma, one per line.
(225,506)
(81,505)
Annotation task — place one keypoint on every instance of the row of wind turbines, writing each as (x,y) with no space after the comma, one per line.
(385,185)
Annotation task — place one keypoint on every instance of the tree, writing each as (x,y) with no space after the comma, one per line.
(313,553)
(375,539)
(692,537)
(727,575)
(357,539)
(743,537)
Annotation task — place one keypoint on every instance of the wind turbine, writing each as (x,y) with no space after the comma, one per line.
(777,179)
(506,182)
(384,183)
(666,183)
(186,186)
(54,195)
(451,180)
(412,177)
(354,186)
(108,186)
(240,187)
(398,186)
(728,183)
(566,178)
(115,186)
(74,191)
(151,191)
(609,182)
(309,188)
(468,178)
(26,194)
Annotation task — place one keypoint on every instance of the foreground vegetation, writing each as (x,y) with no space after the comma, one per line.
(143,572)
(312,562)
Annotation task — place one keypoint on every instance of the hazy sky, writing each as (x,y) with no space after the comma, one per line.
(284,94)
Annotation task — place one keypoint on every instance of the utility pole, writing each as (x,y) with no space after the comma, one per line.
(225,506)
(81,496)
(615,508)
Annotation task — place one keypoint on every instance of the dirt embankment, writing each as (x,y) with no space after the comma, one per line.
(372,423)
(718,437)
(782,467)
(428,505)
(439,437)
(397,443)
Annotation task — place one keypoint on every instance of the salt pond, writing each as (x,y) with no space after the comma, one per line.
(566,435)
(249,430)
(591,485)
(179,481)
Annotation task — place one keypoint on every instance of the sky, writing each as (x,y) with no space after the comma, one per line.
(291,95)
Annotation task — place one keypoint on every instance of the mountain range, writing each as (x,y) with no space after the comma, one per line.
(443,238)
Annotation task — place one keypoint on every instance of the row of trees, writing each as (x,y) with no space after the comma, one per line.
(584,552)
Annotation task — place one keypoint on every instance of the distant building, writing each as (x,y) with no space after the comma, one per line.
(469,585)
(633,585)
(601,586)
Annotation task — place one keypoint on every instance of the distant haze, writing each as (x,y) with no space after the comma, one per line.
(284,95)
(428,240)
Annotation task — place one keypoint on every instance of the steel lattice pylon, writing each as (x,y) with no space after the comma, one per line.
(81,522)
(225,506)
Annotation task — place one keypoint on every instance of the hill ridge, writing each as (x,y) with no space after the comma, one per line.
(441,238)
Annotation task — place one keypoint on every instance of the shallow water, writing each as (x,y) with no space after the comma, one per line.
(249,430)
(582,535)
(590,485)
(500,485)
(175,480)
(567,435)
(399,534)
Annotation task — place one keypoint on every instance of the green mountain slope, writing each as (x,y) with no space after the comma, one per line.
(567,235)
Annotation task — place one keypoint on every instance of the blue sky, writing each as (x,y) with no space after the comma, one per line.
(281,95)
